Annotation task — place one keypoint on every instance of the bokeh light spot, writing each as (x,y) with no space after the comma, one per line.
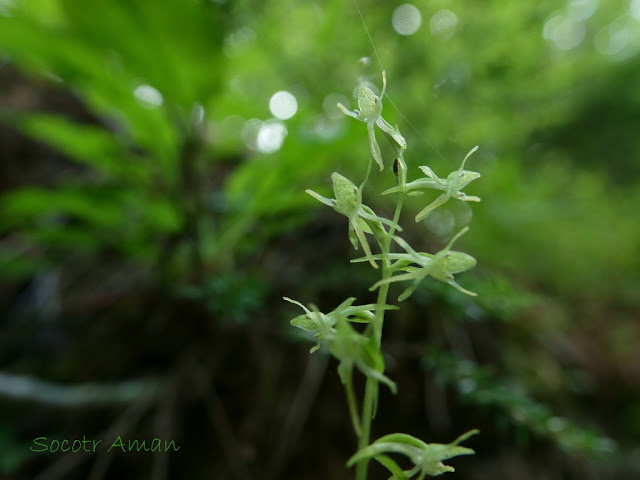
(634,8)
(441,222)
(406,19)
(5,7)
(283,105)
(148,95)
(443,24)
(249,133)
(271,136)
(563,32)
(618,40)
(582,9)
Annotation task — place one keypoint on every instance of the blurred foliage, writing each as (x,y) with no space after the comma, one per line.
(130,141)
(478,386)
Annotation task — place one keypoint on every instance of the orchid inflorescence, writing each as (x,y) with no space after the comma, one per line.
(360,348)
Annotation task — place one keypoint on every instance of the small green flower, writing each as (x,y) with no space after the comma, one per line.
(362,218)
(452,186)
(426,457)
(315,321)
(344,343)
(349,347)
(370,113)
(440,266)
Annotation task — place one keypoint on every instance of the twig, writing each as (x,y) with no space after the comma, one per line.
(164,426)
(220,420)
(29,389)
(298,413)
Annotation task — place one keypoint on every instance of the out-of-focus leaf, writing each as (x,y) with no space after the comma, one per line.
(30,203)
(96,75)
(183,71)
(113,209)
(477,385)
(89,145)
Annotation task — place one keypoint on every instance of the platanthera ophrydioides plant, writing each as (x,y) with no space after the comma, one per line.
(334,330)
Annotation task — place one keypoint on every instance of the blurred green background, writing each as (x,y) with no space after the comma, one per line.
(153,214)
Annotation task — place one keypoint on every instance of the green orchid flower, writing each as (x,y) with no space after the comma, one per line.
(362,218)
(426,457)
(370,112)
(451,186)
(441,266)
(348,346)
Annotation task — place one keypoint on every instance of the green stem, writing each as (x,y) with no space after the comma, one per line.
(370,393)
(386,273)
(372,387)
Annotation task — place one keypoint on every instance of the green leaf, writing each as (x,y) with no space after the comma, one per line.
(29,203)
(86,144)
